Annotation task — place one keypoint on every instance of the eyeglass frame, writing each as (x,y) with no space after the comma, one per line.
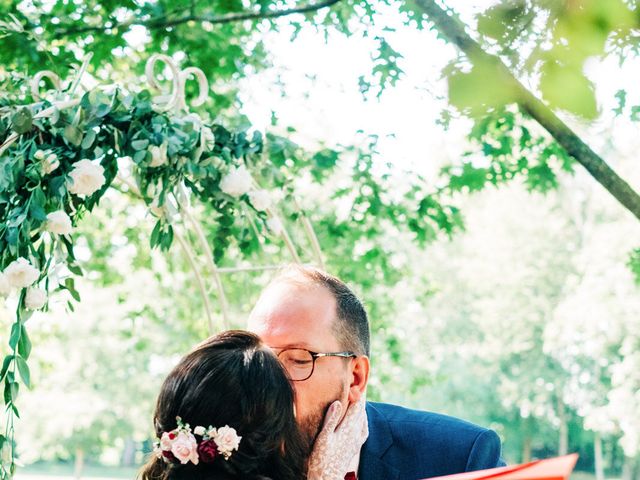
(315,356)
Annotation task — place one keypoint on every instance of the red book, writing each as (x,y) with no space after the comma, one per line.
(558,468)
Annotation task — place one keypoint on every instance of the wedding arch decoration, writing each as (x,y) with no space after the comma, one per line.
(60,154)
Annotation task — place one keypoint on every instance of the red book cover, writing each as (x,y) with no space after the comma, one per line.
(558,468)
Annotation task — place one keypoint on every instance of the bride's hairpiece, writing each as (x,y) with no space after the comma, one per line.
(181,445)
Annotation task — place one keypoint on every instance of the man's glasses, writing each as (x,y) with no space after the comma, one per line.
(300,363)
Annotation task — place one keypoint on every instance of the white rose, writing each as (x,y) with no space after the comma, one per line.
(237,182)
(20,273)
(275,225)
(5,286)
(260,199)
(158,155)
(227,440)
(207,139)
(200,431)
(50,163)
(35,298)
(87,178)
(59,223)
(185,448)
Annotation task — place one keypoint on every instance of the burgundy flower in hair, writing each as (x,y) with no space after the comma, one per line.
(207,451)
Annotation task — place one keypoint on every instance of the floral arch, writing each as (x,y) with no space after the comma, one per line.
(60,154)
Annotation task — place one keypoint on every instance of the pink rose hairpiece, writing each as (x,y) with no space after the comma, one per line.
(182,445)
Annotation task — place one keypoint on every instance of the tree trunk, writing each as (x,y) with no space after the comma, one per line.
(526,448)
(563,440)
(597,452)
(454,31)
(628,468)
(79,464)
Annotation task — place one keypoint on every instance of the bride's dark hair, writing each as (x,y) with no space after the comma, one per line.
(232,379)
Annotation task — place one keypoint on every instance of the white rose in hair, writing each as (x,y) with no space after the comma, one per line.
(185,448)
(20,273)
(87,178)
(200,431)
(35,298)
(158,155)
(227,440)
(260,199)
(59,223)
(5,286)
(237,182)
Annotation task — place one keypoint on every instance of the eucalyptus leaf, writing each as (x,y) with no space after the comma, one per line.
(22,121)
(73,135)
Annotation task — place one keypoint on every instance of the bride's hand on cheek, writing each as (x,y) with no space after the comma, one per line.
(338,444)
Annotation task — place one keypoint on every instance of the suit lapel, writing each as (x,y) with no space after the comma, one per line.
(372,463)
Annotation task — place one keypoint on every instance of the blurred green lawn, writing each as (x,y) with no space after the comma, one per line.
(65,472)
(57,471)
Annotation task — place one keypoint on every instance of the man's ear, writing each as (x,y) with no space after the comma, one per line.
(359,378)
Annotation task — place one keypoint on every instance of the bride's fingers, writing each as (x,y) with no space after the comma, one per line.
(355,413)
(331,418)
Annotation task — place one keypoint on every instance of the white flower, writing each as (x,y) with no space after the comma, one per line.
(275,225)
(207,139)
(35,298)
(87,178)
(200,431)
(50,163)
(5,286)
(40,155)
(237,182)
(20,273)
(59,223)
(158,155)
(260,199)
(227,440)
(185,448)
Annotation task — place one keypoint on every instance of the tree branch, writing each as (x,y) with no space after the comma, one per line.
(454,31)
(163,22)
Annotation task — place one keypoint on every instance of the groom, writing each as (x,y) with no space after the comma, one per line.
(305,312)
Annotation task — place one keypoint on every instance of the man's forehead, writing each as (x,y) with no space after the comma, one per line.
(283,295)
(285,311)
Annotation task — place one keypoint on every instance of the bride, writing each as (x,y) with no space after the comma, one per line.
(226,412)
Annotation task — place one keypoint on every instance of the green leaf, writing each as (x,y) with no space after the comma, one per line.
(16,330)
(75,269)
(23,368)
(11,389)
(70,285)
(24,345)
(73,135)
(155,234)
(140,144)
(88,139)
(22,121)
(5,366)
(567,88)
(485,86)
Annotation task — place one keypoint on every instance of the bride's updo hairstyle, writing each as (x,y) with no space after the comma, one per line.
(233,380)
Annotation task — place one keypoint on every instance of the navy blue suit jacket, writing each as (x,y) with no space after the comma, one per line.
(408,444)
